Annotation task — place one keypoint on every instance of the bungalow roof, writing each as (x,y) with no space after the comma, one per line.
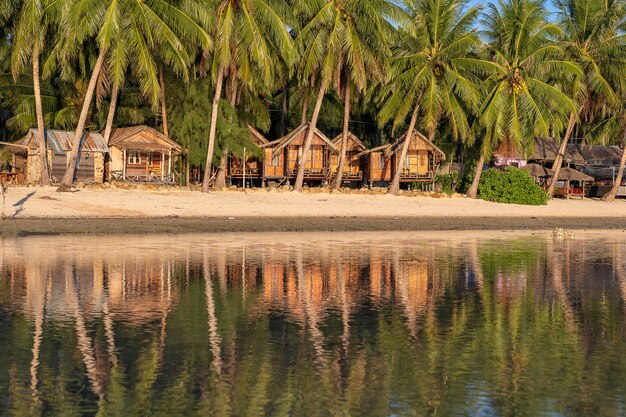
(393,147)
(142,138)
(287,139)
(351,136)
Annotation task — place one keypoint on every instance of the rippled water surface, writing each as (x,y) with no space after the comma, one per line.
(358,324)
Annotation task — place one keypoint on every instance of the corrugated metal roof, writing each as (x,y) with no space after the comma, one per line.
(60,141)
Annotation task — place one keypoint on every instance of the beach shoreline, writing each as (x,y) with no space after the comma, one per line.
(42,210)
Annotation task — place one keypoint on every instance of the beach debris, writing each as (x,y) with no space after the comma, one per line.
(560,232)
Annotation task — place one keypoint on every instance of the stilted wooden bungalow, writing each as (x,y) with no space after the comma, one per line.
(140,153)
(254,165)
(280,157)
(27,162)
(420,165)
(354,166)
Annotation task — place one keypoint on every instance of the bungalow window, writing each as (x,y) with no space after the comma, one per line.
(381,159)
(134,158)
(275,158)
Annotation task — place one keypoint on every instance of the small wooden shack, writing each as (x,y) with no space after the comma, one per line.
(254,165)
(27,162)
(280,157)
(420,165)
(142,154)
(354,166)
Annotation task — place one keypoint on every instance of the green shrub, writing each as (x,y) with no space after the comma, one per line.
(448,182)
(510,185)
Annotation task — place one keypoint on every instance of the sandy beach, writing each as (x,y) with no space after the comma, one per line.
(43,210)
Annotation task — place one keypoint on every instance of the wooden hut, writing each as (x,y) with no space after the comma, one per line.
(254,165)
(280,157)
(143,154)
(420,165)
(27,162)
(354,166)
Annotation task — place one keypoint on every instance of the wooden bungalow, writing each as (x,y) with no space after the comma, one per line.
(26,161)
(354,166)
(254,165)
(142,154)
(280,157)
(420,165)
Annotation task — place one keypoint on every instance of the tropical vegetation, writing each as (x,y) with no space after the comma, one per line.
(471,78)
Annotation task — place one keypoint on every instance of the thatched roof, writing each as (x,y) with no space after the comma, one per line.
(392,148)
(257,137)
(286,140)
(352,137)
(570,174)
(142,138)
(537,170)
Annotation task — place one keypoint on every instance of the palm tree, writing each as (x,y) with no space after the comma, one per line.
(592,39)
(128,30)
(433,73)
(342,35)
(258,29)
(28,42)
(366,33)
(519,103)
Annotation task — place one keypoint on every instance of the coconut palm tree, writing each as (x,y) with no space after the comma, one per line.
(127,32)
(364,55)
(258,29)
(592,39)
(28,38)
(341,35)
(520,104)
(432,73)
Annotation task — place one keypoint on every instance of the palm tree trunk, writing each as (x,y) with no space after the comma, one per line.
(43,152)
(111,115)
(309,136)
(166,131)
(395,184)
(212,129)
(556,166)
(344,138)
(610,196)
(68,178)
(473,190)
(282,127)
(305,109)
(220,179)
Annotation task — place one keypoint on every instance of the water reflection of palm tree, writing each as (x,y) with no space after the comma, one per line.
(43,295)
(84,341)
(215,340)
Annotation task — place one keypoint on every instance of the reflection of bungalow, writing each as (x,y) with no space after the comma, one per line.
(254,165)
(27,163)
(420,165)
(140,153)
(280,157)
(353,167)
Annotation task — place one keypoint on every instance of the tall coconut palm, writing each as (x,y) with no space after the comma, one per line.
(520,104)
(28,42)
(363,56)
(342,35)
(258,29)
(433,75)
(592,39)
(128,31)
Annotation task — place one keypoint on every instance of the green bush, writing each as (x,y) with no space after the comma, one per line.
(512,186)
(448,182)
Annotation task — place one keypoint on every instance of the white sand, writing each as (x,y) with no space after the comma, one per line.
(46,202)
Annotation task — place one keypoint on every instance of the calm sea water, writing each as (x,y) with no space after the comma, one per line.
(314,325)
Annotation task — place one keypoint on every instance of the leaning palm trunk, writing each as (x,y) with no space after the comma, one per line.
(344,138)
(111,115)
(558,161)
(305,109)
(68,178)
(43,153)
(610,196)
(309,136)
(395,184)
(220,179)
(166,131)
(213,129)
(473,190)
